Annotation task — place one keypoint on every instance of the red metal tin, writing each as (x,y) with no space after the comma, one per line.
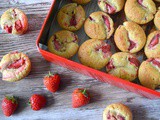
(107,78)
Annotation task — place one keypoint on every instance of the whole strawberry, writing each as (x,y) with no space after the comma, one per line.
(52,82)
(80,97)
(37,102)
(9,105)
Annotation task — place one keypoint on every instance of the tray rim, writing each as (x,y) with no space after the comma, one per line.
(115,79)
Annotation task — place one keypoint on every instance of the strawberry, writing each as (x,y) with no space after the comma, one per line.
(37,102)
(9,105)
(80,97)
(52,82)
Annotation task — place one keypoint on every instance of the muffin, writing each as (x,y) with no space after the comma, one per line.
(81,1)
(15,66)
(99,25)
(152,48)
(111,6)
(117,111)
(140,11)
(71,17)
(149,73)
(157,19)
(123,65)
(130,37)
(94,53)
(14,21)
(63,43)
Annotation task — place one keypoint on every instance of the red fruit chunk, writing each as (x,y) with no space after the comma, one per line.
(154,41)
(105,48)
(106,21)
(8,29)
(73,21)
(110,9)
(18,25)
(17,64)
(110,65)
(154,61)
(56,44)
(132,45)
(15,14)
(140,2)
(91,19)
(108,115)
(119,117)
(134,61)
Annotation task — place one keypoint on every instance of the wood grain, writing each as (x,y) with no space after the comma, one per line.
(59,104)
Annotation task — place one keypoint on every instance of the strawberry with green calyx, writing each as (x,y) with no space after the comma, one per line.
(80,97)
(51,82)
(37,102)
(9,105)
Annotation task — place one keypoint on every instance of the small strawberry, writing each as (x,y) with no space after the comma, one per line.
(80,97)
(52,82)
(9,105)
(37,102)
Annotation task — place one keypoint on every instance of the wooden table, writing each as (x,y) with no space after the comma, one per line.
(59,103)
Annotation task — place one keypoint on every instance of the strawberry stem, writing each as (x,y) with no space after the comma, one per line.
(50,74)
(12,98)
(84,92)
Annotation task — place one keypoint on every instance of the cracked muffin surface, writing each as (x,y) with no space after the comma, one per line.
(117,111)
(63,43)
(123,65)
(14,21)
(140,11)
(152,48)
(99,25)
(94,53)
(130,37)
(71,17)
(15,66)
(111,6)
(149,73)
(81,1)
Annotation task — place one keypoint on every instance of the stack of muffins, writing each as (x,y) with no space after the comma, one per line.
(129,38)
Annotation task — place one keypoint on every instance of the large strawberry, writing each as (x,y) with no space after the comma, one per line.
(80,97)
(52,82)
(9,105)
(37,102)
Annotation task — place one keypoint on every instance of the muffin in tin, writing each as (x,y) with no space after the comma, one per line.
(111,6)
(117,111)
(63,43)
(152,48)
(15,66)
(94,53)
(99,25)
(123,65)
(140,11)
(149,73)
(81,1)
(71,17)
(14,21)
(157,19)
(130,37)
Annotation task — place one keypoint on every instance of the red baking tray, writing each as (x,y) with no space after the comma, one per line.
(102,76)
